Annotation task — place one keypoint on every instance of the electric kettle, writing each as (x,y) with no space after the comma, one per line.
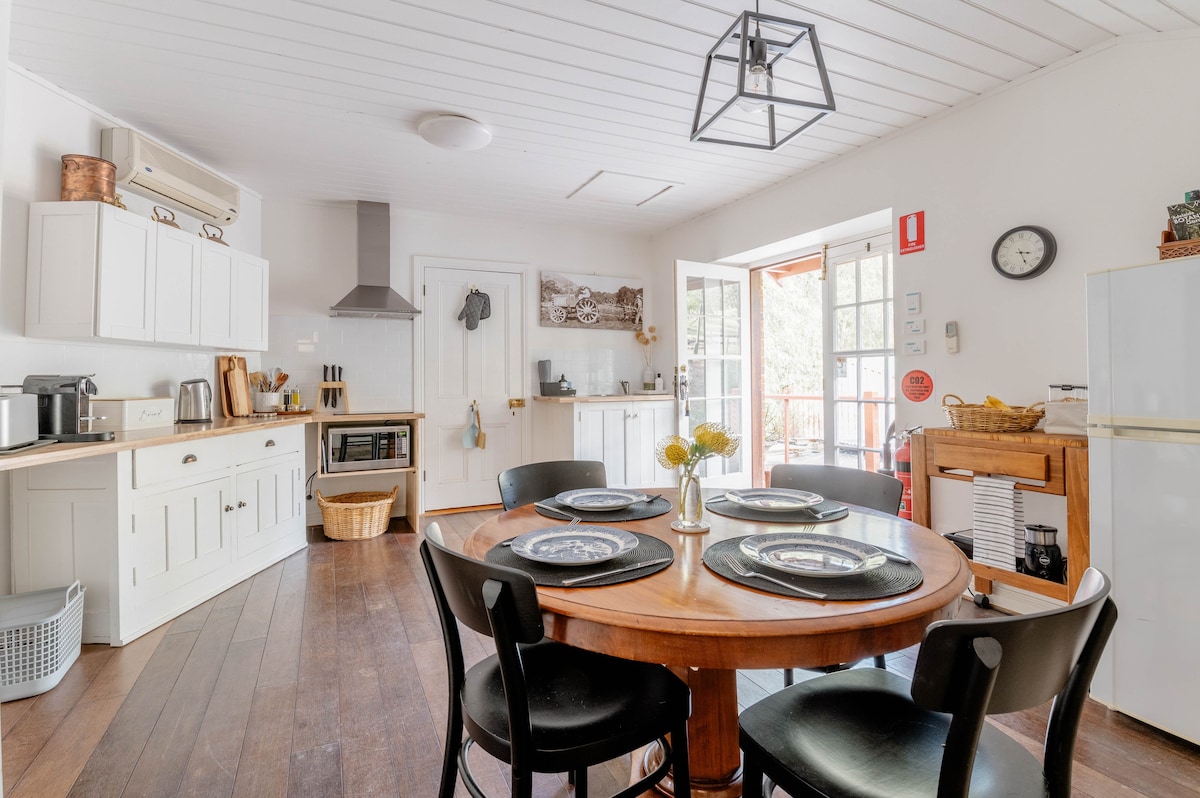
(194,404)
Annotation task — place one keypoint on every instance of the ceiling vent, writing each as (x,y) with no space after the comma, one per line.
(153,171)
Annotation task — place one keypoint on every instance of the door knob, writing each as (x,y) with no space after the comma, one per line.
(241,504)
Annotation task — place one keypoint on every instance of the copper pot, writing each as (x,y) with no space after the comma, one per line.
(88,178)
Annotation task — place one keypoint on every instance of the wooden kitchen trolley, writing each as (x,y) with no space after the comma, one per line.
(1041,463)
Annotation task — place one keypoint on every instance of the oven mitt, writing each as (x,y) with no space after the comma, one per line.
(478,306)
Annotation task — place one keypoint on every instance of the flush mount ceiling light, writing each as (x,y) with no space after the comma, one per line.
(774,69)
(454,132)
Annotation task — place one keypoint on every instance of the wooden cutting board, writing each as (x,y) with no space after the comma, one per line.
(239,387)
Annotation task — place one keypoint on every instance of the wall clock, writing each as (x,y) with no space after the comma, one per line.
(1024,252)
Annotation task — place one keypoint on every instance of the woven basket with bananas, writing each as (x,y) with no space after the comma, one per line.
(994,415)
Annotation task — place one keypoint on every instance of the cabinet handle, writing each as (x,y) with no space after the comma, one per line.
(270,442)
(229,508)
(241,504)
(189,458)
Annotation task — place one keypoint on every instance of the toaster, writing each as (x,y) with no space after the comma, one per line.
(18,419)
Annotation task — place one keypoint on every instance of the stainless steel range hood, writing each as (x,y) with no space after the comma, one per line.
(373,297)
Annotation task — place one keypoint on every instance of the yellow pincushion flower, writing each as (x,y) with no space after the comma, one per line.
(711,440)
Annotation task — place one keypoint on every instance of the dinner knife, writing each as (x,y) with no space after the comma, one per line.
(338,378)
(563,513)
(333,391)
(577,579)
(325,391)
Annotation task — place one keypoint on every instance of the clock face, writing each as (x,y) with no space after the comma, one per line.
(1024,252)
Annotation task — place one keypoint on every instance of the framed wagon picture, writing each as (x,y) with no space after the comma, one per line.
(590,301)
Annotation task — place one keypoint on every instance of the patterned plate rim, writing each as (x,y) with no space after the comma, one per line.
(626,541)
(633,496)
(871,556)
(803,499)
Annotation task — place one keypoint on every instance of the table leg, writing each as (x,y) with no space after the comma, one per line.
(713,754)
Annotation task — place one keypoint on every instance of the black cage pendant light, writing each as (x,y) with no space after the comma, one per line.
(774,69)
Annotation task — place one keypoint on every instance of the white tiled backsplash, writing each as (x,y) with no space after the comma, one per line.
(375,356)
(592,371)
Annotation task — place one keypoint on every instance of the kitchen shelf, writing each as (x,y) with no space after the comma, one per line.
(412,473)
(1042,463)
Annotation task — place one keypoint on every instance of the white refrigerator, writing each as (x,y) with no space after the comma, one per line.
(1144,463)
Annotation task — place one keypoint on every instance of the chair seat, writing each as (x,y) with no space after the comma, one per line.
(574,714)
(858,733)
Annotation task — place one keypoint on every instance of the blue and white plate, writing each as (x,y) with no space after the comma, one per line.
(597,500)
(774,500)
(574,545)
(812,555)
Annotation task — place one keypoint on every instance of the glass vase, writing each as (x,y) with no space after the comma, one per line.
(648,379)
(691,505)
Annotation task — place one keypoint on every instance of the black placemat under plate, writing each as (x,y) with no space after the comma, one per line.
(722,506)
(890,579)
(634,512)
(547,575)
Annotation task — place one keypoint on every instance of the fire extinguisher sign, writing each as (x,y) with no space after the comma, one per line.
(916,385)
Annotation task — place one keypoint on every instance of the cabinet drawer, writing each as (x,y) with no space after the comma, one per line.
(264,444)
(157,465)
(1028,464)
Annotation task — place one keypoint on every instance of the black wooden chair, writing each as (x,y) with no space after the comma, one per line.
(842,484)
(536,481)
(870,733)
(539,705)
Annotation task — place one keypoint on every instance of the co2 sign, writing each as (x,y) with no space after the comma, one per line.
(916,385)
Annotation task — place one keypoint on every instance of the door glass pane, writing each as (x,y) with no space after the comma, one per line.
(845,280)
(873,326)
(845,329)
(871,274)
(846,386)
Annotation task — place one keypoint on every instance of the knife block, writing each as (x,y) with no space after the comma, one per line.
(343,400)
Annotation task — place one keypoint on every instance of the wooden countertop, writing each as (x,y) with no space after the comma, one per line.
(633,397)
(1033,436)
(151,436)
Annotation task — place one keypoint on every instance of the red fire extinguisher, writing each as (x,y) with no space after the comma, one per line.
(904,474)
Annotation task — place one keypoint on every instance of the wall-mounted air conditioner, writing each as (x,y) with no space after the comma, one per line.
(155,172)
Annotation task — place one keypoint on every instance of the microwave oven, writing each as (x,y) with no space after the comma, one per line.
(367,448)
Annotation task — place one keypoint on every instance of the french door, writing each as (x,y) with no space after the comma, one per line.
(860,360)
(712,317)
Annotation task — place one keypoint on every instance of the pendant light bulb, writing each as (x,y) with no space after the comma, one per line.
(758,78)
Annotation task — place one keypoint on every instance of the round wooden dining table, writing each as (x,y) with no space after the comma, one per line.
(706,628)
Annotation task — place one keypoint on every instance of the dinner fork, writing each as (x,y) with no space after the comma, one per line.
(741,570)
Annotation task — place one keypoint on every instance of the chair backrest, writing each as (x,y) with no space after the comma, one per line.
(843,484)
(536,481)
(972,668)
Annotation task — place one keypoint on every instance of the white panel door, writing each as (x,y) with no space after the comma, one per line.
(217,285)
(125,306)
(712,321)
(600,434)
(177,287)
(462,366)
(250,302)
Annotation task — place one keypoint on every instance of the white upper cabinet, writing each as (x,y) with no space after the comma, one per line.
(91,272)
(177,293)
(97,271)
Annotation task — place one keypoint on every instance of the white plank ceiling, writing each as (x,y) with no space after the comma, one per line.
(320,99)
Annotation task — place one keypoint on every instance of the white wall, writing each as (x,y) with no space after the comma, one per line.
(41,124)
(312,253)
(1094,150)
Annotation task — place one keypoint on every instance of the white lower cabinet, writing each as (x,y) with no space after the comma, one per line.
(622,435)
(153,532)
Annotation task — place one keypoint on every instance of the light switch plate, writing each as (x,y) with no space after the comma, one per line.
(914,347)
(914,326)
(912,302)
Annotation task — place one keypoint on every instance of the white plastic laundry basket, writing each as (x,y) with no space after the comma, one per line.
(40,635)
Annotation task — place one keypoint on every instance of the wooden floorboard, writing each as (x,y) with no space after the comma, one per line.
(325,675)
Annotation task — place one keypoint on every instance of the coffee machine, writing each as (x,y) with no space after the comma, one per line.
(64,407)
(1043,558)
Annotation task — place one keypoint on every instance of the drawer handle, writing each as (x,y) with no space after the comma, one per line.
(270,442)
(189,458)
(241,504)
(229,508)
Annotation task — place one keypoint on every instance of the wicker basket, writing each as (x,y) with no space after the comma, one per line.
(981,418)
(356,516)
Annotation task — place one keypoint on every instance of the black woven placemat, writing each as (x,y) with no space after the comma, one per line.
(546,575)
(634,512)
(722,506)
(889,579)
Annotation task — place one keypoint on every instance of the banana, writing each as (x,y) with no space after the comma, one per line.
(993,402)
